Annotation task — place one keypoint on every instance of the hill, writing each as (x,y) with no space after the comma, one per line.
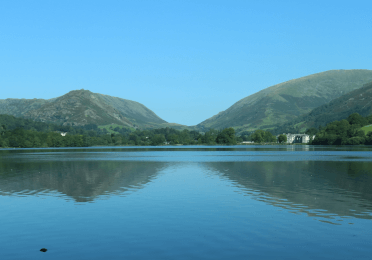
(286,101)
(18,107)
(357,101)
(82,107)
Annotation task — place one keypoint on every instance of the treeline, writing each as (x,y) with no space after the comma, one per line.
(80,137)
(345,132)
(262,136)
(21,138)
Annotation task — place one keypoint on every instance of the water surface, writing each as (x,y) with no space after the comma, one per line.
(238,202)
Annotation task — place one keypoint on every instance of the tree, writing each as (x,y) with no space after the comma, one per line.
(269,137)
(37,142)
(157,139)
(282,138)
(134,138)
(258,136)
(356,119)
(173,139)
(4,142)
(210,137)
(311,131)
(369,138)
(2,129)
(87,141)
(338,127)
(226,136)
(184,136)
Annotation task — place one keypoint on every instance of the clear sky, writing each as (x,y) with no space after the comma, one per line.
(184,60)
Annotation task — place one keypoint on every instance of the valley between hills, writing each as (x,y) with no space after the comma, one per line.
(295,105)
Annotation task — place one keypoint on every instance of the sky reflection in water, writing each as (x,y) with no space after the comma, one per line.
(217,202)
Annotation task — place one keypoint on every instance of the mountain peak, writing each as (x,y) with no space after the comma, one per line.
(79,91)
(81,107)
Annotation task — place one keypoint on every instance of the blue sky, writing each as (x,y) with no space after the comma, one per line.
(185,60)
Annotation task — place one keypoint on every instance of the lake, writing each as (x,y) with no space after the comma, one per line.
(186,202)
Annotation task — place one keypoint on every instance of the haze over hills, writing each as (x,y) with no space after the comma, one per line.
(286,101)
(81,107)
(357,101)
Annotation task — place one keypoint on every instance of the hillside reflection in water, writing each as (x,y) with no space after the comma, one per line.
(322,189)
(83,181)
(319,189)
(256,202)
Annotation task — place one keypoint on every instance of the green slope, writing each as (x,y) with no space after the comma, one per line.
(18,107)
(81,107)
(357,101)
(367,129)
(286,101)
(134,111)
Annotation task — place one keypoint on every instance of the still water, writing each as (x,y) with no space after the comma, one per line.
(237,202)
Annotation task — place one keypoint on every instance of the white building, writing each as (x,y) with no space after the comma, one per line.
(299,138)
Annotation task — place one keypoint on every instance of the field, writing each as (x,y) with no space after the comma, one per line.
(367,128)
(110,128)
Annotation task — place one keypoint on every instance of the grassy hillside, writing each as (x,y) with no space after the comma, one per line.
(134,111)
(82,107)
(357,101)
(111,128)
(286,101)
(367,129)
(18,107)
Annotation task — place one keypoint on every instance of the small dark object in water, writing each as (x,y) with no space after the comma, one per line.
(43,250)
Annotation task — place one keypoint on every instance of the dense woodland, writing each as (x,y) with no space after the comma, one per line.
(345,132)
(22,133)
